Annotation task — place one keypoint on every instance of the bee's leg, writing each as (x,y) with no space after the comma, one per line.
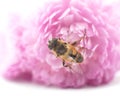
(83,37)
(76,42)
(66,65)
(81,48)
(57,55)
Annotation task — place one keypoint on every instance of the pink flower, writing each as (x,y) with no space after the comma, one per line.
(68,20)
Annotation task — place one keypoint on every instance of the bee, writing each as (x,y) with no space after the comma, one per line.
(66,51)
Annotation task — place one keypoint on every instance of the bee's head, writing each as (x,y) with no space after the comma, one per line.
(53,43)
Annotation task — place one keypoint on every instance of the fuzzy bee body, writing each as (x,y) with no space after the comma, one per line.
(66,51)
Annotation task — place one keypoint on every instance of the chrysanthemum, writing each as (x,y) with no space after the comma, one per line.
(69,21)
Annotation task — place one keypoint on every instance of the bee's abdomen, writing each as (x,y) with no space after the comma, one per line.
(76,56)
(72,55)
(79,58)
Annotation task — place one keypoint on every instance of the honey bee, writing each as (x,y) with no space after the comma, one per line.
(66,51)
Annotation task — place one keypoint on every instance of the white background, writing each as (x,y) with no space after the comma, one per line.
(8,88)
